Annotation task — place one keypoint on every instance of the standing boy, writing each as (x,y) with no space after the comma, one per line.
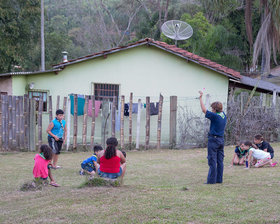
(56,135)
(215,140)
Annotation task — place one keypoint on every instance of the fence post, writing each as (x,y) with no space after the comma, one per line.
(75,132)
(57,102)
(14,120)
(17,112)
(6,123)
(10,119)
(85,122)
(138,123)
(173,121)
(274,99)
(21,123)
(92,121)
(26,122)
(113,128)
(64,104)
(130,120)
(40,110)
(159,121)
(147,140)
(32,122)
(1,129)
(50,109)
(68,123)
(105,117)
(122,122)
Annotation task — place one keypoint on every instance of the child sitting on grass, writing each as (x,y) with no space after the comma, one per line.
(240,153)
(42,165)
(263,145)
(261,157)
(89,165)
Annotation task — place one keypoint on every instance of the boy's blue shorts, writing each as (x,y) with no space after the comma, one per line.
(87,167)
(110,175)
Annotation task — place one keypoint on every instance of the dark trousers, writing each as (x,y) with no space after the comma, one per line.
(215,159)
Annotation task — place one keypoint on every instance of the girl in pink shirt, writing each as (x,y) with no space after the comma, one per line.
(42,165)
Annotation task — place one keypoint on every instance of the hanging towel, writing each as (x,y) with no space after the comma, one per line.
(97,107)
(118,118)
(154,109)
(81,104)
(126,110)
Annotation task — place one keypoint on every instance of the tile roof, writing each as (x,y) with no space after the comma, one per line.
(164,46)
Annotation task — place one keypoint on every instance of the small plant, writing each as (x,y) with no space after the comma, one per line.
(34,185)
(101,182)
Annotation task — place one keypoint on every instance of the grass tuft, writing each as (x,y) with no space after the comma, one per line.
(34,185)
(100,182)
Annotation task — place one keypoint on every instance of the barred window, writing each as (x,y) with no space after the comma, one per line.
(36,95)
(106,91)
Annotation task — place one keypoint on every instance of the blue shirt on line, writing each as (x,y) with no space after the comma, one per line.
(218,123)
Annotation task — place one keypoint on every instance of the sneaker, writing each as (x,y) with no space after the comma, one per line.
(81,172)
(273,164)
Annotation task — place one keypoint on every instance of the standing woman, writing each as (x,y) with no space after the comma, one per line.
(111,160)
(215,140)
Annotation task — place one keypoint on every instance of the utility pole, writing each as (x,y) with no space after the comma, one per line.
(42,37)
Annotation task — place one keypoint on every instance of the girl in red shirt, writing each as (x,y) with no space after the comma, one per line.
(112,161)
(42,165)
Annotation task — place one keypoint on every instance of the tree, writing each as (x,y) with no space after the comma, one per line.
(19,36)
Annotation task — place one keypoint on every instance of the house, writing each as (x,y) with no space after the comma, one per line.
(145,68)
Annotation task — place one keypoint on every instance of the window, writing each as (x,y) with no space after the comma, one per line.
(36,95)
(106,91)
(3,93)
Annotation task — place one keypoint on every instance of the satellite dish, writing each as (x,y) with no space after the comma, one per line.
(177,30)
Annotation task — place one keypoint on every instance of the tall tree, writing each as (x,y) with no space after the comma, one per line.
(19,36)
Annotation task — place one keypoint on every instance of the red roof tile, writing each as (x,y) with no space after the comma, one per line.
(170,48)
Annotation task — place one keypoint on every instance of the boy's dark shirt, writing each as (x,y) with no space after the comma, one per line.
(240,153)
(265,145)
(218,123)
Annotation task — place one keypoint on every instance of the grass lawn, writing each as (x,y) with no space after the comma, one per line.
(161,186)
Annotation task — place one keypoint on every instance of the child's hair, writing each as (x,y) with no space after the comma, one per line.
(97,148)
(247,143)
(47,151)
(217,106)
(259,137)
(59,111)
(110,151)
(124,154)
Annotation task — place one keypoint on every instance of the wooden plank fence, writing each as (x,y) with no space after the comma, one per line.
(21,122)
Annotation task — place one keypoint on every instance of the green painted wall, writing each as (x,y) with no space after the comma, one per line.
(145,71)
(19,84)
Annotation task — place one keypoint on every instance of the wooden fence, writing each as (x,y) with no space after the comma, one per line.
(21,118)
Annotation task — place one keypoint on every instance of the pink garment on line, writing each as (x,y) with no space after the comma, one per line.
(97,107)
(40,167)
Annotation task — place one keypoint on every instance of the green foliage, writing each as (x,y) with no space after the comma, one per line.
(100,182)
(20,27)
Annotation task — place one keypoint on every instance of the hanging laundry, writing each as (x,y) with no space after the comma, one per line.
(118,118)
(126,110)
(81,104)
(135,108)
(154,109)
(97,107)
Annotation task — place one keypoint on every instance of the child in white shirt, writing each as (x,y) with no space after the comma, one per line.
(261,156)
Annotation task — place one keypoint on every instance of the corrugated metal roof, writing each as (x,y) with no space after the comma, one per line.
(28,73)
(260,84)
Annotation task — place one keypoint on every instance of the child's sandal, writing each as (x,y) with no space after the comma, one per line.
(54,184)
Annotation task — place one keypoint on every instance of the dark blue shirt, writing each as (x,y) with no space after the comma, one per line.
(265,145)
(240,153)
(218,123)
